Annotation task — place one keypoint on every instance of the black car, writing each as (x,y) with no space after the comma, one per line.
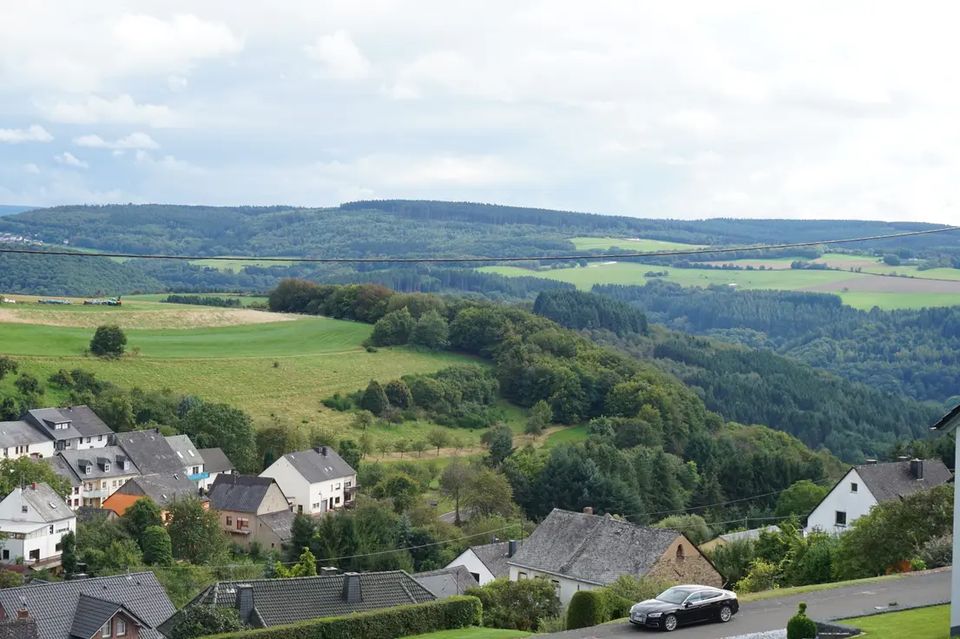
(685,604)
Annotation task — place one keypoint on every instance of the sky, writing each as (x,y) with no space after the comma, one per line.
(650,109)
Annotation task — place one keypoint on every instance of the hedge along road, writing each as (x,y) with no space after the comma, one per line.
(910,591)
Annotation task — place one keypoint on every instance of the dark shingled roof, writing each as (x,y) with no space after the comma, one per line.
(161,488)
(282,601)
(447,582)
(894,480)
(591,548)
(281,523)
(242,493)
(95,457)
(316,467)
(21,433)
(46,418)
(93,612)
(150,451)
(85,421)
(57,606)
(494,557)
(215,460)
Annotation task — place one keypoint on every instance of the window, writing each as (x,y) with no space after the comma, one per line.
(229,520)
(841,519)
(337,487)
(300,508)
(680,552)
(51,529)
(556,586)
(6,452)
(196,470)
(316,506)
(520,575)
(104,484)
(106,468)
(76,490)
(854,487)
(121,627)
(59,547)
(88,440)
(99,438)
(105,630)
(243,523)
(6,554)
(338,500)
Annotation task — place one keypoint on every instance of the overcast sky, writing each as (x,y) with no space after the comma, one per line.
(660,109)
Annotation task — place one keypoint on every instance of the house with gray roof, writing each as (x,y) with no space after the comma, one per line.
(316,481)
(487,562)
(582,551)
(128,606)
(21,439)
(872,483)
(34,520)
(94,474)
(215,462)
(161,488)
(73,427)
(155,454)
(252,509)
(447,582)
(264,603)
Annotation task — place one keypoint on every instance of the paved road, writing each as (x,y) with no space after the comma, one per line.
(910,591)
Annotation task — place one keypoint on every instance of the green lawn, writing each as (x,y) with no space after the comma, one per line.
(236,266)
(628,244)
(473,632)
(245,300)
(921,623)
(569,435)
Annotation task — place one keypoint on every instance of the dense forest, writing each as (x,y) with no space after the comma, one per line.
(910,352)
(646,427)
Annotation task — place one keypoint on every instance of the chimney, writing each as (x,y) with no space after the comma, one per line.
(588,510)
(245,601)
(23,613)
(328,570)
(916,468)
(351,588)
(870,461)
(903,458)
(511,548)
(321,450)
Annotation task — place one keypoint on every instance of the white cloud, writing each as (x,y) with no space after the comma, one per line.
(33,133)
(69,159)
(120,110)
(152,43)
(136,140)
(31,168)
(339,56)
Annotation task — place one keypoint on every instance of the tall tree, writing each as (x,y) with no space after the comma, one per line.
(220,425)
(138,517)
(195,532)
(431,331)
(453,482)
(374,398)
(157,546)
(499,441)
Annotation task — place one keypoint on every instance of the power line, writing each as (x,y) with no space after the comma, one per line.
(453,260)
(728,502)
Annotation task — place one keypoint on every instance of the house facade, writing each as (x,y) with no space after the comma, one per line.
(34,520)
(488,561)
(161,488)
(243,503)
(582,551)
(867,485)
(94,474)
(215,463)
(71,428)
(20,439)
(316,481)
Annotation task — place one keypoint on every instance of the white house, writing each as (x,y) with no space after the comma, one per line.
(34,520)
(20,439)
(487,562)
(94,474)
(315,481)
(215,463)
(73,427)
(948,424)
(867,485)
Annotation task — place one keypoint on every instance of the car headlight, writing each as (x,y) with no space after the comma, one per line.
(655,614)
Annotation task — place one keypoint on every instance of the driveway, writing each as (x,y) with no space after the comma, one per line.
(909,591)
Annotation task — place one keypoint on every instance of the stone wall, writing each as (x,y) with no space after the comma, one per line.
(690,566)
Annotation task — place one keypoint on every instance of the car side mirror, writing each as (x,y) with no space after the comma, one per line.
(687,604)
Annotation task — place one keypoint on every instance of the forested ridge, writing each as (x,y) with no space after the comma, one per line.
(910,352)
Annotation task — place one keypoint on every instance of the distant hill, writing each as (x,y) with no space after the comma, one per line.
(10,209)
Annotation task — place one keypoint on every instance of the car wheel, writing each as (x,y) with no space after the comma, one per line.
(726,614)
(670,623)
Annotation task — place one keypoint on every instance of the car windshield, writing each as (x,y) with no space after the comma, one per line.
(674,595)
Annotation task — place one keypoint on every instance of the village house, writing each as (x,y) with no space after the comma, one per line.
(34,520)
(252,509)
(129,606)
(74,427)
(20,439)
(264,603)
(315,480)
(153,453)
(867,485)
(447,582)
(487,562)
(161,488)
(582,551)
(94,475)
(215,462)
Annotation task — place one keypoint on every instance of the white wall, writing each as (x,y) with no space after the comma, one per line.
(842,498)
(81,443)
(469,560)
(42,539)
(568,587)
(313,497)
(40,448)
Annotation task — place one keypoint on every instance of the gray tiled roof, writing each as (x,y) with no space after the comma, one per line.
(185,451)
(242,493)
(447,582)
(44,504)
(893,480)
(55,605)
(160,487)
(494,557)
(20,433)
(95,458)
(591,548)
(281,523)
(316,466)
(150,451)
(215,460)
(85,421)
(46,418)
(281,601)
(92,613)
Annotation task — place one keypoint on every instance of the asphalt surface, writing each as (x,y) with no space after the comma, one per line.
(910,591)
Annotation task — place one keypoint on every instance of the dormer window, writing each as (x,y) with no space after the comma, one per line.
(87,469)
(106,467)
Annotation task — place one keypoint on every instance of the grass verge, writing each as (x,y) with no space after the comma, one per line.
(920,623)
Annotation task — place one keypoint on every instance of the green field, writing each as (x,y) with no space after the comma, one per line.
(569,435)
(626,243)
(856,289)
(235,266)
(921,623)
(245,300)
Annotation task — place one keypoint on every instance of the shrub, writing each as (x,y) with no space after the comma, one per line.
(198,621)
(374,398)
(337,402)
(393,329)
(937,552)
(517,605)
(398,393)
(693,526)
(800,626)
(586,609)
(762,576)
(157,548)
(733,559)
(626,591)
(108,341)
(386,623)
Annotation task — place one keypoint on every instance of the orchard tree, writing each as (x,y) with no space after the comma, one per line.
(540,417)
(108,341)
(351,453)
(438,438)
(453,482)
(7,365)
(374,399)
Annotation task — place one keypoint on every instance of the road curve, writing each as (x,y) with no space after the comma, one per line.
(910,591)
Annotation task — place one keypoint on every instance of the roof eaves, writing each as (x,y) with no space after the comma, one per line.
(949,421)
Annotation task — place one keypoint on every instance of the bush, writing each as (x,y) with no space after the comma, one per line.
(156,545)
(199,621)
(733,559)
(337,402)
(374,399)
(517,605)
(586,609)
(626,591)
(693,526)
(108,341)
(800,626)
(762,576)
(386,623)
(937,552)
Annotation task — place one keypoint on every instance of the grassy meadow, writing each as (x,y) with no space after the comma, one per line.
(627,244)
